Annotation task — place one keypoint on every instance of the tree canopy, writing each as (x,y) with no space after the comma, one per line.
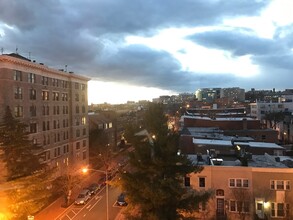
(29,180)
(154,181)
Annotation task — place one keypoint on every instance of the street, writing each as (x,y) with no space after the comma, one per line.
(95,209)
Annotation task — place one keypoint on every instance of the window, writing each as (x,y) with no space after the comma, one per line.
(55,96)
(45,110)
(83,109)
(280,185)
(232,206)
(18,111)
(232,182)
(17,75)
(202,181)
(245,183)
(202,206)
(219,192)
(45,95)
(18,93)
(83,120)
(239,206)
(77,109)
(77,97)
(32,94)
(33,127)
(33,110)
(238,183)
(84,131)
(77,121)
(45,80)
(77,145)
(84,143)
(76,85)
(84,155)
(278,209)
(64,97)
(83,86)
(55,82)
(31,78)
(77,133)
(187,181)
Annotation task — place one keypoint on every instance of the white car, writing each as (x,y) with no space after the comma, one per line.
(83,197)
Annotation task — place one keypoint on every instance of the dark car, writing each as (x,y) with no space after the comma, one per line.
(94,188)
(121,200)
(102,181)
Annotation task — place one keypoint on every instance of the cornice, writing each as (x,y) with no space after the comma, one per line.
(42,67)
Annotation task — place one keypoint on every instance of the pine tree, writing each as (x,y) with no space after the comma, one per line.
(18,149)
(154,182)
(29,180)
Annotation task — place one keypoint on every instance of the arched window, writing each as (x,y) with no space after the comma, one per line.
(219,192)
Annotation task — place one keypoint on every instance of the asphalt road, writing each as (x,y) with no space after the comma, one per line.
(95,208)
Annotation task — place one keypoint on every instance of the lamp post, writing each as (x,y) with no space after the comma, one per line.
(85,170)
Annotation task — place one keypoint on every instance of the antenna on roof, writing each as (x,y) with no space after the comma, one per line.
(2,50)
(66,68)
(29,55)
(16,50)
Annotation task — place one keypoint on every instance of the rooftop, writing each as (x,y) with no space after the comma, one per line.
(265,160)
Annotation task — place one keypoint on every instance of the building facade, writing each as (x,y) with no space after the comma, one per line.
(53,104)
(245,192)
(235,94)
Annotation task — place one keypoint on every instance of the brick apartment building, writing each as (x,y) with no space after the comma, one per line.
(54,105)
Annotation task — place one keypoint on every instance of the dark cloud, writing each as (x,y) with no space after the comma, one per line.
(88,36)
(238,41)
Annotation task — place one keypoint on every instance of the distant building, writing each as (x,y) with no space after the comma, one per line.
(208,94)
(54,105)
(235,94)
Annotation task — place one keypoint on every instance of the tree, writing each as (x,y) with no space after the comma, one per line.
(98,143)
(28,178)
(63,185)
(154,182)
(273,118)
(243,200)
(29,195)
(19,156)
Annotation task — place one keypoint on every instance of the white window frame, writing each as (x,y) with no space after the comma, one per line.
(275,211)
(234,183)
(236,205)
(286,184)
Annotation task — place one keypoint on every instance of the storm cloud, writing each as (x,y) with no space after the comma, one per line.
(89,37)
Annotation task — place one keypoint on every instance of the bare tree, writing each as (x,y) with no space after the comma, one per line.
(243,199)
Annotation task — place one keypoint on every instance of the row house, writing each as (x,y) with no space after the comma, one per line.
(261,190)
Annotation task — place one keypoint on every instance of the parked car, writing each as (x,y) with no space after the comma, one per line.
(94,188)
(83,197)
(121,200)
(102,181)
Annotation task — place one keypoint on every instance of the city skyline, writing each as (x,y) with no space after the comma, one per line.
(142,50)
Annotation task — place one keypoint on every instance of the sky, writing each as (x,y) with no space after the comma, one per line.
(141,49)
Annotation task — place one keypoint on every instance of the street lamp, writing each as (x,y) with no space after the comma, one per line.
(85,170)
